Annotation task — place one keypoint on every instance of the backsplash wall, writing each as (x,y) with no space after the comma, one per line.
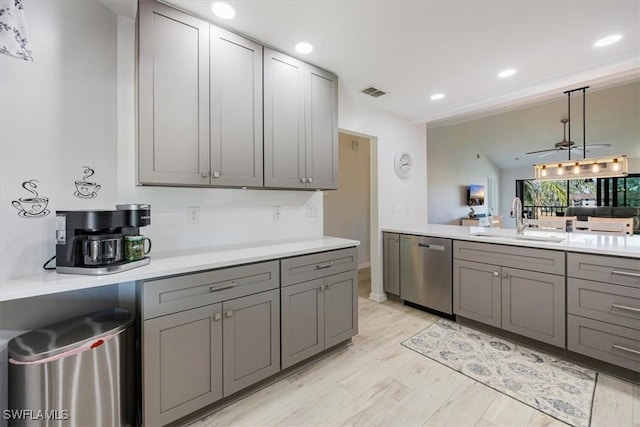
(74,106)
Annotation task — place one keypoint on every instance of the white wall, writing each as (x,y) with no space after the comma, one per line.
(395,201)
(454,162)
(346,210)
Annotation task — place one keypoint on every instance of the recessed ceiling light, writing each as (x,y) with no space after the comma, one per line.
(437,96)
(506,73)
(304,47)
(223,10)
(608,40)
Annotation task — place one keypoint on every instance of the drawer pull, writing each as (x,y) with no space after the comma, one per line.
(219,288)
(321,266)
(625,273)
(624,307)
(630,350)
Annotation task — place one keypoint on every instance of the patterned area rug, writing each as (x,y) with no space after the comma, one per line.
(547,383)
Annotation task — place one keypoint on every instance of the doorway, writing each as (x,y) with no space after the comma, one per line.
(347,211)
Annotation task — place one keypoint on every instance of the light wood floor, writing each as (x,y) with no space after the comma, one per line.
(378,382)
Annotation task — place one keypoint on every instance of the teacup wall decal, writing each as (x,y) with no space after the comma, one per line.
(34,206)
(84,188)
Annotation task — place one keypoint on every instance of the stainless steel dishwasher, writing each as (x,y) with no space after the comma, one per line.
(426,272)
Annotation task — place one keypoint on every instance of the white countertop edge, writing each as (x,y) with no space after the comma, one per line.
(172,263)
(622,246)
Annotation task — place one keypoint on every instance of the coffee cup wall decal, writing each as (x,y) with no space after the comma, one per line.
(86,189)
(34,206)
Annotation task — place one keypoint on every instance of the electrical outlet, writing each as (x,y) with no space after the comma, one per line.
(277,213)
(193,214)
(312,210)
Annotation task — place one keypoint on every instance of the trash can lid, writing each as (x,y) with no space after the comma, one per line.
(67,335)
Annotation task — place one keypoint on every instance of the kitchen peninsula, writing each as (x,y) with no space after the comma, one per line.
(579,292)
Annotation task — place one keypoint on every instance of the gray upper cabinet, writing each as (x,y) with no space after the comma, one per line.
(236,110)
(391,263)
(173,92)
(300,124)
(200,102)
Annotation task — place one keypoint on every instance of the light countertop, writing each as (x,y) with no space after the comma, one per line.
(624,246)
(170,263)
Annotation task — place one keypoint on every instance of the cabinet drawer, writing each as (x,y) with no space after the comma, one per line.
(542,260)
(610,343)
(621,271)
(308,267)
(178,293)
(615,304)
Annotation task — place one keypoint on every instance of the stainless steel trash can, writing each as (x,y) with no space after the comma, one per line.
(79,372)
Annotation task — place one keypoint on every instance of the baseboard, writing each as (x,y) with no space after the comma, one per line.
(378,297)
(365,265)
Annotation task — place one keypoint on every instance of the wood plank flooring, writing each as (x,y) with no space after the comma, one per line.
(378,382)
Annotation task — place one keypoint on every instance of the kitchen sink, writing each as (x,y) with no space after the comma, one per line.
(510,234)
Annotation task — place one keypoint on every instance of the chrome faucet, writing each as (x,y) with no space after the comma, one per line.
(516,212)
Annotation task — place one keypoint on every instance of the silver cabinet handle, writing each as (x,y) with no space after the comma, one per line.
(219,288)
(630,350)
(205,174)
(496,274)
(217,316)
(321,266)
(505,275)
(321,288)
(303,180)
(624,307)
(309,180)
(228,314)
(625,273)
(216,174)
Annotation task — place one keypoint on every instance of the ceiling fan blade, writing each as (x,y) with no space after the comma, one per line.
(598,145)
(548,153)
(543,151)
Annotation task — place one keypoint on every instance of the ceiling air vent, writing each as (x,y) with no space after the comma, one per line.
(372,91)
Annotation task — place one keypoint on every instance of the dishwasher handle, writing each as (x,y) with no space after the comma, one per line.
(434,247)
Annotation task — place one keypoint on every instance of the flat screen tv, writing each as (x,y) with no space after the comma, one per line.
(475,195)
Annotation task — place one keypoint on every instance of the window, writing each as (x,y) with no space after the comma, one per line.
(551,198)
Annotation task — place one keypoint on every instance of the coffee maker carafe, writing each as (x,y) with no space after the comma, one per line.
(91,242)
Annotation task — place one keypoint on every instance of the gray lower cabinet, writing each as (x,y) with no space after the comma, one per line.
(200,102)
(529,302)
(391,263)
(477,292)
(300,124)
(318,313)
(207,335)
(603,305)
(182,363)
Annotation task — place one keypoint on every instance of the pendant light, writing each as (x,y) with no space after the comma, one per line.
(602,167)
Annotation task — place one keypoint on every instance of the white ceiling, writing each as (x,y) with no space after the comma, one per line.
(414,48)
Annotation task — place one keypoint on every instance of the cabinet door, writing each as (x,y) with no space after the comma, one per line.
(533,305)
(321,121)
(302,321)
(340,307)
(251,347)
(476,292)
(284,121)
(173,95)
(391,262)
(182,363)
(236,110)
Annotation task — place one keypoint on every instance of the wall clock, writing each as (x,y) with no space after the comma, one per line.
(402,164)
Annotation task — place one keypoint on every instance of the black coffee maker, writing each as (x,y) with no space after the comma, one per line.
(91,242)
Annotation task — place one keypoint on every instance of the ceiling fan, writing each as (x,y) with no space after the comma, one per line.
(565,145)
